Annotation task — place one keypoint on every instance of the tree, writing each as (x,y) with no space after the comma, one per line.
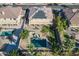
(68,44)
(54,45)
(39,54)
(14,53)
(31,50)
(45,29)
(65,25)
(24,34)
(59,26)
(76,52)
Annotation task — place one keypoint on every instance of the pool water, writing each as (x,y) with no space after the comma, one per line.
(6,33)
(38,42)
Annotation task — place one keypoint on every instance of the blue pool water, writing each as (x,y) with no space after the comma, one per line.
(38,42)
(7,33)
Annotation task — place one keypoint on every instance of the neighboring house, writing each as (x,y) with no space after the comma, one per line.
(40,15)
(73,16)
(68,13)
(75,20)
(10,18)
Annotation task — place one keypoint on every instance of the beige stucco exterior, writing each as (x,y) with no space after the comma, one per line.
(10,23)
(40,21)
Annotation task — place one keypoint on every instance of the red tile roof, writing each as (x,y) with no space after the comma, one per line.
(10,12)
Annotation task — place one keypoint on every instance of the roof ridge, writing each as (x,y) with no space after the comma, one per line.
(34,13)
(75,14)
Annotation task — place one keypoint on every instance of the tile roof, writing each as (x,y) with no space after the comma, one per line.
(68,13)
(32,11)
(35,10)
(10,12)
(72,15)
(75,20)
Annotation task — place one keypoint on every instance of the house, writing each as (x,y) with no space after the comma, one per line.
(40,15)
(73,16)
(74,22)
(68,13)
(10,18)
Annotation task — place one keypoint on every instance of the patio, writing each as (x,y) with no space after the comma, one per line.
(34,29)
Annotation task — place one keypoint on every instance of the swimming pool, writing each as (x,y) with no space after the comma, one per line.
(38,42)
(6,33)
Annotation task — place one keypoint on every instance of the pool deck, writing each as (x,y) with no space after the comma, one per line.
(32,28)
(25,42)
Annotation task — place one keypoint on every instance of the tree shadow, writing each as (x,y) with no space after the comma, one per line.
(27,16)
(57,35)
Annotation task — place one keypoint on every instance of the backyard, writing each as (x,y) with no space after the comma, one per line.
(37,37)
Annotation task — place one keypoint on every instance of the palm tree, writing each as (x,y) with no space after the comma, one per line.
(31,49)
(68,44)
(24,34)
(32,52)
(76,51)
(45,29)
(13,53)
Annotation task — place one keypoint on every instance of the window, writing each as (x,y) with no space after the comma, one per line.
(10,18)
(15,24)
(4,18)
(4,24)
(14,18)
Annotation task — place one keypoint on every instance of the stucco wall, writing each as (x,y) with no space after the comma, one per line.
(40,21)
(4,22)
